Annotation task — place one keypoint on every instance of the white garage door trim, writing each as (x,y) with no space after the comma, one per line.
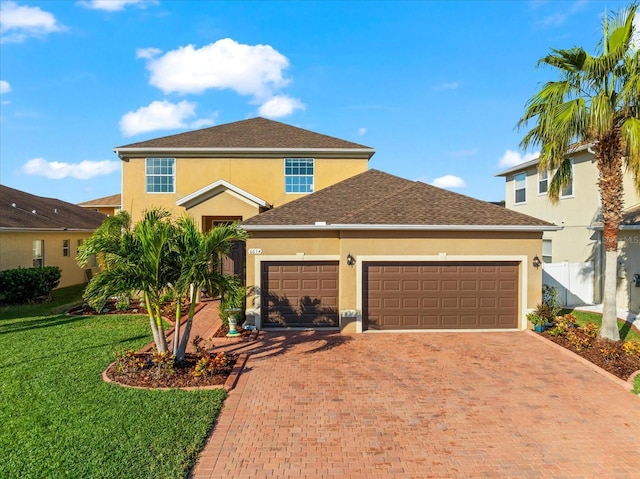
(524,265)
(259,258)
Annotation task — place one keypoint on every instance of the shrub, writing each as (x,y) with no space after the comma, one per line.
(26,285)
(129,361)
(211,365)
(550,300)
(631,347)
(591,329)
(164,363)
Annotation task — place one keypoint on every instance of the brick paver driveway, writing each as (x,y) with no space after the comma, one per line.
(466,405)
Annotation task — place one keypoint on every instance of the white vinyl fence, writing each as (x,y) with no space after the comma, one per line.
(575,281)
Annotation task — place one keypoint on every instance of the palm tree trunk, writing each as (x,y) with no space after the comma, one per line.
(182,348)
(609,161)
(161,343)
(176,329)
(152,322)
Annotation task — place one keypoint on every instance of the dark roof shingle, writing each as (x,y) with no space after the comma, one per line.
(251,133)
(17,211)
(378,198)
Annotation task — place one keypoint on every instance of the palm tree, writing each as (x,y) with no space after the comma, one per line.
(200,258)
(595,102)
(140,259)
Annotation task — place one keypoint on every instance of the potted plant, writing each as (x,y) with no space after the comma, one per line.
(537,320)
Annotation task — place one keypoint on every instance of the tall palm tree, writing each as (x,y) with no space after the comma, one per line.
(200,258)
(141,259)
(596,102)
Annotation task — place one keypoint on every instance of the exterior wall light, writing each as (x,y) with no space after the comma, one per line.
(536,262)
(350,260)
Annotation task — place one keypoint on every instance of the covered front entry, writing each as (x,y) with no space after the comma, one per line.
(440,295)
(299,294)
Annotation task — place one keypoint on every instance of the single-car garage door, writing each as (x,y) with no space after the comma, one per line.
(440,295)
(299,294)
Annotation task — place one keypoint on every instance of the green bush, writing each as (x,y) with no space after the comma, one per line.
(26,285)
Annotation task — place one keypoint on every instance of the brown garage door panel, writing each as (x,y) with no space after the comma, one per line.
(299,294)
(435,295)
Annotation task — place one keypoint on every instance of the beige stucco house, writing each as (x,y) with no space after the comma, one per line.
(574,255)
(37,231)
(334,244)
(108,205)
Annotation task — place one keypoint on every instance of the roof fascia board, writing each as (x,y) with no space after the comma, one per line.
(364,153)
(401,227)
(621,228)
(45,230)
(530,163)
(211,190)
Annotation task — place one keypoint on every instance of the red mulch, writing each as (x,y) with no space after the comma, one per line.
(606,354)
(168,309)
(182,376)
(224,329)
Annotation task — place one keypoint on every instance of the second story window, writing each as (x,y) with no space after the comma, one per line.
(298,175)
(160,175)
(66,247)
(520,183)
(567,190)
(546,251)
(543,182)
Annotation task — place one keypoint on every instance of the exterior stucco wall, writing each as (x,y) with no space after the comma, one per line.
(224,204)
(628,296)
(16,252)
(262,177)
(395,245)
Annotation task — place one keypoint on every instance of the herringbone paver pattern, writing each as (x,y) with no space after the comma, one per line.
(466,405)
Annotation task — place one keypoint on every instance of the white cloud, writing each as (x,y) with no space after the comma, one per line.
(447,86)
(115,5)
(4,87)
(147,53)
(513,158)
(449,181)
(18,22)
(57,170)
(256,70)
(559,18)
(362,131)
(279,106)
(159,115)
(201,123)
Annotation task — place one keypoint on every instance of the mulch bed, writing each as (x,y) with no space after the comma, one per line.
(181,378)
(606,354)
(224,329)
(168,309)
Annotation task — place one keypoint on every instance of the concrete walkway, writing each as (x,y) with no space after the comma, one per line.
(437,405)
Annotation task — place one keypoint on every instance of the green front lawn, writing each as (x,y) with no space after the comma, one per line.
(59,419)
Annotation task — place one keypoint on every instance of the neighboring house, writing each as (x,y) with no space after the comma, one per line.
(574,256)
(234,171)
(379,252)
(37,231)
(109,205)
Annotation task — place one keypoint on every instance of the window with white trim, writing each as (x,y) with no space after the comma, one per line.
(160,175)
(567,190)
(38,253)
(543,182)
(546,251)
(520,185)
(66,248)
(298,175)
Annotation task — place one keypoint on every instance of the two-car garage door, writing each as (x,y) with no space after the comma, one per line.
(395,295)
(446,295)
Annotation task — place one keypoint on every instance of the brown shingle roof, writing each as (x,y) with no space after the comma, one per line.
(113,200)
(252,133)
(378,198)
(16,211)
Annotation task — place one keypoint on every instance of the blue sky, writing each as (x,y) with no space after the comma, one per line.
(435,87)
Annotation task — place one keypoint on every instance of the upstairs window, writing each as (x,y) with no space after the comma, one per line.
(160,175)
(66,248)
(543,182)
(38,253)
(567,190)
(520,183)
(298,175)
